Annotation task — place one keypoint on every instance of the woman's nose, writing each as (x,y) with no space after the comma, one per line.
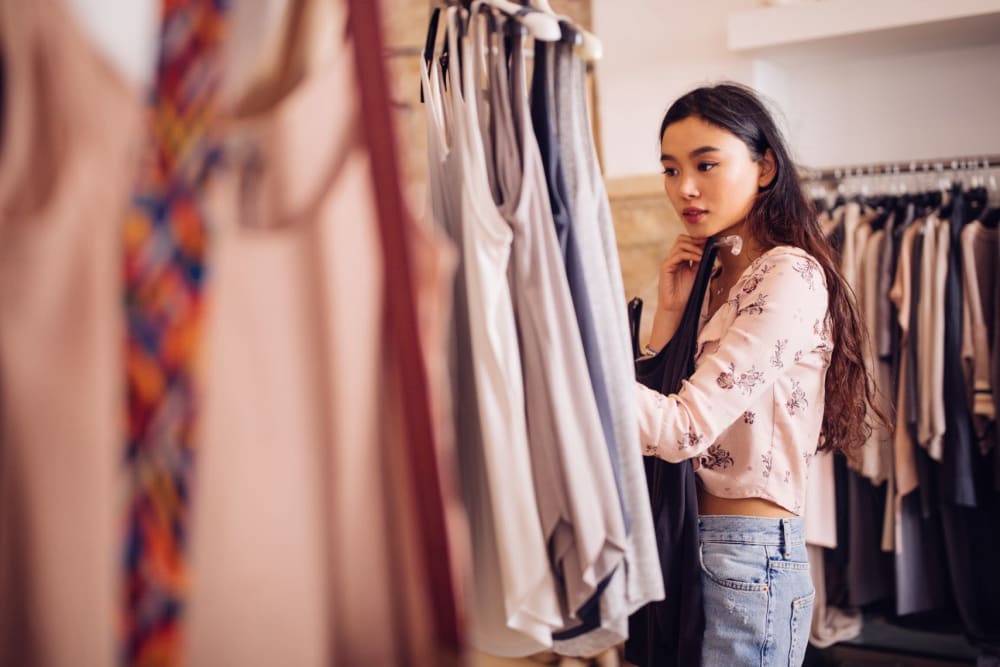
(689,189)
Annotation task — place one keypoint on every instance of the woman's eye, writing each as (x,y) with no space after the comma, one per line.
(670,171)
(707,166)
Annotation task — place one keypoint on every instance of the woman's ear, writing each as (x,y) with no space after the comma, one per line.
(768,167)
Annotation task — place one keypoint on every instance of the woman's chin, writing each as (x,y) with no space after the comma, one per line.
(695,231)
(698,231)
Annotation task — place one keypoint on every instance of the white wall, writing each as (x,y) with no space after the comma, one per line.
(844,109)
(655,50)
(900,107)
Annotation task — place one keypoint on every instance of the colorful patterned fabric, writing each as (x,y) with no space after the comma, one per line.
(165,239)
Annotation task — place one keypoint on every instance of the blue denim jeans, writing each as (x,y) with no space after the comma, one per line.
(757,590)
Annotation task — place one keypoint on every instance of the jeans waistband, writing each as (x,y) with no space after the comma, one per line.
(752,529)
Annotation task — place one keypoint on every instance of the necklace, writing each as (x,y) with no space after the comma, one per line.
(720,285)
(718,281)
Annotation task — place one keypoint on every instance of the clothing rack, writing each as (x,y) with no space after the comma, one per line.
(902,168)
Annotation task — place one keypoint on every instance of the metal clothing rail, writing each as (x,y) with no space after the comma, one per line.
(902,167)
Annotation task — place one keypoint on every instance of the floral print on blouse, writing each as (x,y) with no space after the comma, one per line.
(751,413)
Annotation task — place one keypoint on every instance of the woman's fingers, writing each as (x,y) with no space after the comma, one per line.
(689,244)
(682,259)
(686,247)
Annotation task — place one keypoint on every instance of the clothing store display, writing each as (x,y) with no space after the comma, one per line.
(517,617)
(309,371)
(926,362)
(273,392)
(539,346)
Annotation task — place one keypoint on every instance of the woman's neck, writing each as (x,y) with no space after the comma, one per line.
(734,265)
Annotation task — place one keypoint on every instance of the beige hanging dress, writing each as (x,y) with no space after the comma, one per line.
(71,134)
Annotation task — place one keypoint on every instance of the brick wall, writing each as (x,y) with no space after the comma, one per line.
(645,226)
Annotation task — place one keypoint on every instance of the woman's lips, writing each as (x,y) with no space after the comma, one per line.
(693,214)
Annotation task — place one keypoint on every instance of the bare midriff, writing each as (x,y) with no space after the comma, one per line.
(714,505)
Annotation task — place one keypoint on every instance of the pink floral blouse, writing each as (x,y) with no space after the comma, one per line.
(750,415)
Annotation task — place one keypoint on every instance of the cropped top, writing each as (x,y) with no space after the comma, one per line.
(750,415)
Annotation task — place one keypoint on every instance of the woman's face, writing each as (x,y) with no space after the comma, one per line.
(710,176)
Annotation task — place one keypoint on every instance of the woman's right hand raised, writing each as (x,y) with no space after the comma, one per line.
(677,273)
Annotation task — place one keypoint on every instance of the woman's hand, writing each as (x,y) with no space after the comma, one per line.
(677,273)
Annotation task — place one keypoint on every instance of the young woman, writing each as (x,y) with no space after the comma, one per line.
(779,341)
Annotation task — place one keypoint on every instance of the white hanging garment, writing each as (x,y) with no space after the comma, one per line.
(514,604)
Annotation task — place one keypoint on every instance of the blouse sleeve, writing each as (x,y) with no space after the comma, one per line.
(780,307)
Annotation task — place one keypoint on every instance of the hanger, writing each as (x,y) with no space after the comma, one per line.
(976,195)
(587,45)
(432,31)
(540,25)
(634,322)
(990,183)
(445,59)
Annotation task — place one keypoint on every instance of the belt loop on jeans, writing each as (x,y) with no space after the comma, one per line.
(786,536)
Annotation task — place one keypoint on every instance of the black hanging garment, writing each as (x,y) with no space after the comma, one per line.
(669,632)
(958,479)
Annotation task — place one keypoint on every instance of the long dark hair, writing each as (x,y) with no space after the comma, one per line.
(782,215)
